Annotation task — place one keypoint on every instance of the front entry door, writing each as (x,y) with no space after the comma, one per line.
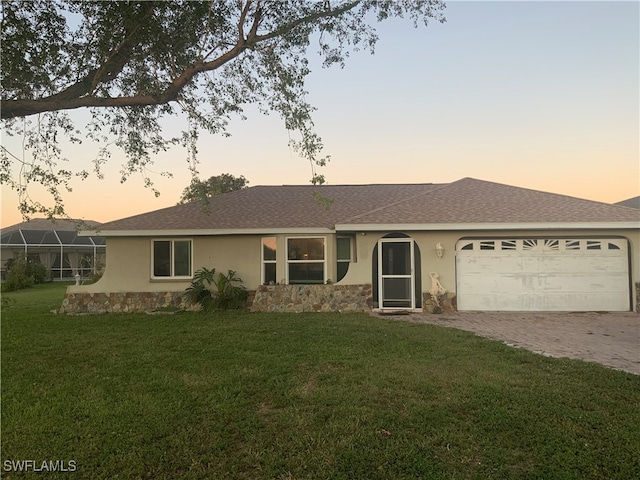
(396,282)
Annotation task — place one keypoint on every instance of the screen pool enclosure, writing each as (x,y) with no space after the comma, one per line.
(55,245)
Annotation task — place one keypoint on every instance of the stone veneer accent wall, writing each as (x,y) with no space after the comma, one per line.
(273,298)
(446,303)
(312,298)
(129,302)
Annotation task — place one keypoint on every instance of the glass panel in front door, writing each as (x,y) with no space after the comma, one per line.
(396,258)
(396,293)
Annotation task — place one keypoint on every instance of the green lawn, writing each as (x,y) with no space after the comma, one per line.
(299,396)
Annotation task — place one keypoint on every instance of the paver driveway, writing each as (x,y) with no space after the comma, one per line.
(612,339)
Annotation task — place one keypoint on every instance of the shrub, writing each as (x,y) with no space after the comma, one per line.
(229,290)
(97,273)
(23,273)
(231,293)
(198,293)
(38,271)
(17,277)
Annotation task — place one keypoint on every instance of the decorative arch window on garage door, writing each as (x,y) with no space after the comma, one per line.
(541,245)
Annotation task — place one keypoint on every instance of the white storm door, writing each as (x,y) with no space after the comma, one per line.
(396,282)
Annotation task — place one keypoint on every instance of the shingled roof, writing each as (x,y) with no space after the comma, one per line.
(466,201)
(630,202)
(269,207)
(471,201)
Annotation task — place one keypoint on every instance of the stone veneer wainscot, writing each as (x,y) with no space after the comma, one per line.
(312,298)
(273,298)
(121,302)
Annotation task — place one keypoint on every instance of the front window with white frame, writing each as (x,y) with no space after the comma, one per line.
(306,260)
(171,259)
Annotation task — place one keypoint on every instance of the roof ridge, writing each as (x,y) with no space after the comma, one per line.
(564,195)
(349,185)
(622,206)
(438,186)
(633,203)
(467,198)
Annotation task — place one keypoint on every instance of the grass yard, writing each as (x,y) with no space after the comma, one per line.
(237,395)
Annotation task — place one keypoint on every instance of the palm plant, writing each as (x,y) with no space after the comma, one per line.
(230,293)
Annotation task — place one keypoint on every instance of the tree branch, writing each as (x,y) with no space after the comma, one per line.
(256,23)
(243,17)
(21,108)
(79,94)
(308,19)
(109,70)
(116,61)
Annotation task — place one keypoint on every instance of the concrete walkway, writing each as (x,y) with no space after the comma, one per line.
(612,339)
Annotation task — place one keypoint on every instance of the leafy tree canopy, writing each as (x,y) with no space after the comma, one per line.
(199,190)
(131,64)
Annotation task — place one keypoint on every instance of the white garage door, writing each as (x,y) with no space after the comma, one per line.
(542,274)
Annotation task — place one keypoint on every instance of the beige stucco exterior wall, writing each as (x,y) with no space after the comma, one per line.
(361,270)
(129,261)
(129,258)
(128,267)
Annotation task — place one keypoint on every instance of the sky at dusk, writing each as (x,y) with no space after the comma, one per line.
(541,95)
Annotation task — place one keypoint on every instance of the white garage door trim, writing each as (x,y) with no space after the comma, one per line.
(543,274)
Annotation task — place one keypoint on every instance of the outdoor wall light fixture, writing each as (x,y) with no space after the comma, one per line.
(439,250)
